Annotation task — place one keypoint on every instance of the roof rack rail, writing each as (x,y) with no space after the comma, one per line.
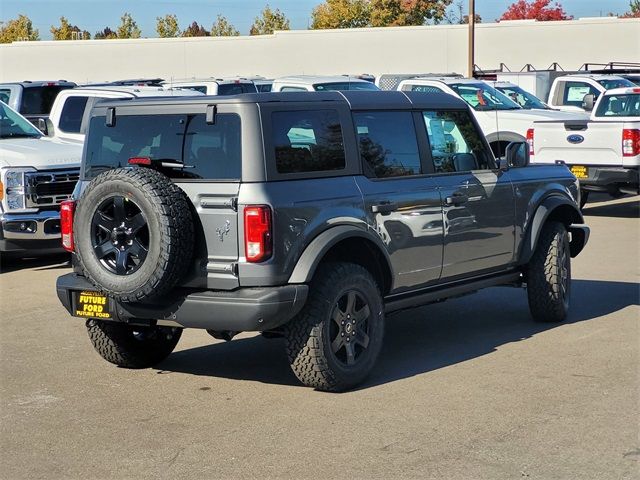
(611,67)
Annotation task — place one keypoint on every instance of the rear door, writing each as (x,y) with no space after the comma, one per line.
(477,198)
(402,203)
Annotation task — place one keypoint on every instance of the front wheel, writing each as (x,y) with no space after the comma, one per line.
(333,343)
(131,346)
(549,275)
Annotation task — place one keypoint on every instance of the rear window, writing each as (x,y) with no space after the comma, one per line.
(627,105)
(72,113)
(308,141)
(38,100)
(236,88)
(183,146)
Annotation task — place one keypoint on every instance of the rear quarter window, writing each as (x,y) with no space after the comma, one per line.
(307,141)
(186,145)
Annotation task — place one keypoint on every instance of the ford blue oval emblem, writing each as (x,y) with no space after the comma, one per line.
(575,139)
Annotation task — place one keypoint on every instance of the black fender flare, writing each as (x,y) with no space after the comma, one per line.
(575,224)
(505,137)
(316,250)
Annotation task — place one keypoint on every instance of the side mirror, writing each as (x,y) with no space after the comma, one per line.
(587,101)
(517,154)
(42,126)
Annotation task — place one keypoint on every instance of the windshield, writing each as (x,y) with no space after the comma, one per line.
(522,97)
(13,125)
(481,97)
(623,105)
(633,78)
(324,87)
(615,83)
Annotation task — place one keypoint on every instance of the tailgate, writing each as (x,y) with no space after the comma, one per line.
(584,143)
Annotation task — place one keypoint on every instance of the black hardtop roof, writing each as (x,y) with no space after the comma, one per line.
(356,100)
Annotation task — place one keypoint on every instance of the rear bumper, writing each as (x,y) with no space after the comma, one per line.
(241,310)
(611,178)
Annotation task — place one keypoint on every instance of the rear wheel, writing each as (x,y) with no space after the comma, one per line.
(130,346)
(333,343)
(549,275)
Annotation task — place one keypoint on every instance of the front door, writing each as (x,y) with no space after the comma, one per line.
(477,198)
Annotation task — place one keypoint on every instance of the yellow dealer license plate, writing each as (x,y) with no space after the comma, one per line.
(580,171)
(91,305)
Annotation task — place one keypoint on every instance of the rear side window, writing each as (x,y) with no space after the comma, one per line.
(388,144)
(38,100)
(182,146)
(72,113)
(421,88)
(307,141)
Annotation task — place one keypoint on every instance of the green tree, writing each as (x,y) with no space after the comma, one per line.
(223,28)
(195,30)
(167,26)
(106,34)
(385,13)
(341,14)
(66,31)
(16,29)
(269,21)
(128,27)
(634,10)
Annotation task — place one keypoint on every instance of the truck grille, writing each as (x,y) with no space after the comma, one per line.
(50,188)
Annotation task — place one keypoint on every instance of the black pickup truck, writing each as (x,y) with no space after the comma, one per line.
(304,215)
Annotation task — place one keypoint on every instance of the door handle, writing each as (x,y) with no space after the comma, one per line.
(457,199)
(384,208)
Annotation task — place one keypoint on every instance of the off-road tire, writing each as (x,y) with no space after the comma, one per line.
(167,211)
(130,346)
(308,335)
(549,275)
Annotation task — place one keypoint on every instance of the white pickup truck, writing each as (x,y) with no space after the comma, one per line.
(603,152)
(501,119)
(36,174)
(578,92)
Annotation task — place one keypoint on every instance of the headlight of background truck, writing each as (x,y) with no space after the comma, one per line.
(13,183)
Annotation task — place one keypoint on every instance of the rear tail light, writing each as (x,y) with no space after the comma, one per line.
(257,233)
(630,142)
(66,224)
(530,140)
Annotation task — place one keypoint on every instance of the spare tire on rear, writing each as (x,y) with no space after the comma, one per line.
(133,232)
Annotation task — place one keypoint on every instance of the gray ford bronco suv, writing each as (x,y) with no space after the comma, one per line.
(304,215)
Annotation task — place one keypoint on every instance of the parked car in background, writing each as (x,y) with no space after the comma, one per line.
(391,81)
(318,83)
(263,85)
(632,77)
(214,86)
(502,120)
(70,112)
(526,100)
(36,175)
(33,100)
(568,91)
(603,152)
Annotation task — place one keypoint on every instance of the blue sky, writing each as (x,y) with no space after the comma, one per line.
(94,15)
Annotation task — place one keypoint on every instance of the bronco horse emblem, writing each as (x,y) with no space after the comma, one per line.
(222,231)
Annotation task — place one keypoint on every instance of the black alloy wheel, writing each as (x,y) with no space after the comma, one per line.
(349,332)
(120,235)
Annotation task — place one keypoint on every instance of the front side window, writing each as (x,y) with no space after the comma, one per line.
(456,145)
(307,141)
(181,146)
(72,113)
(13,125)
(388,144)
(574,93)
(623,105)
(523,98)
(482,97)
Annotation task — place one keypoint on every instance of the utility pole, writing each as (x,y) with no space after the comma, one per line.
(472,28)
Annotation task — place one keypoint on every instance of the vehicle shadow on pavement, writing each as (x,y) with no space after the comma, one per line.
(630,208)
(58,260)
(417,341)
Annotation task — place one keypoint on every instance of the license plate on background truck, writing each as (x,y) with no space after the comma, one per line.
(88,304)
(580,171)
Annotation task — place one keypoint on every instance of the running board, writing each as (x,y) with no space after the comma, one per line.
(442,292)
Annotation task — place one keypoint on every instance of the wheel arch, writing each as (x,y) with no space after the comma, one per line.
(555,208)
(350,244)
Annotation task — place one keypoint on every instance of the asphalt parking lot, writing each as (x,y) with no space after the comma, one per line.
(467,389)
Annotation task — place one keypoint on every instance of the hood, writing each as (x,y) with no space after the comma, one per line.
(41,153)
